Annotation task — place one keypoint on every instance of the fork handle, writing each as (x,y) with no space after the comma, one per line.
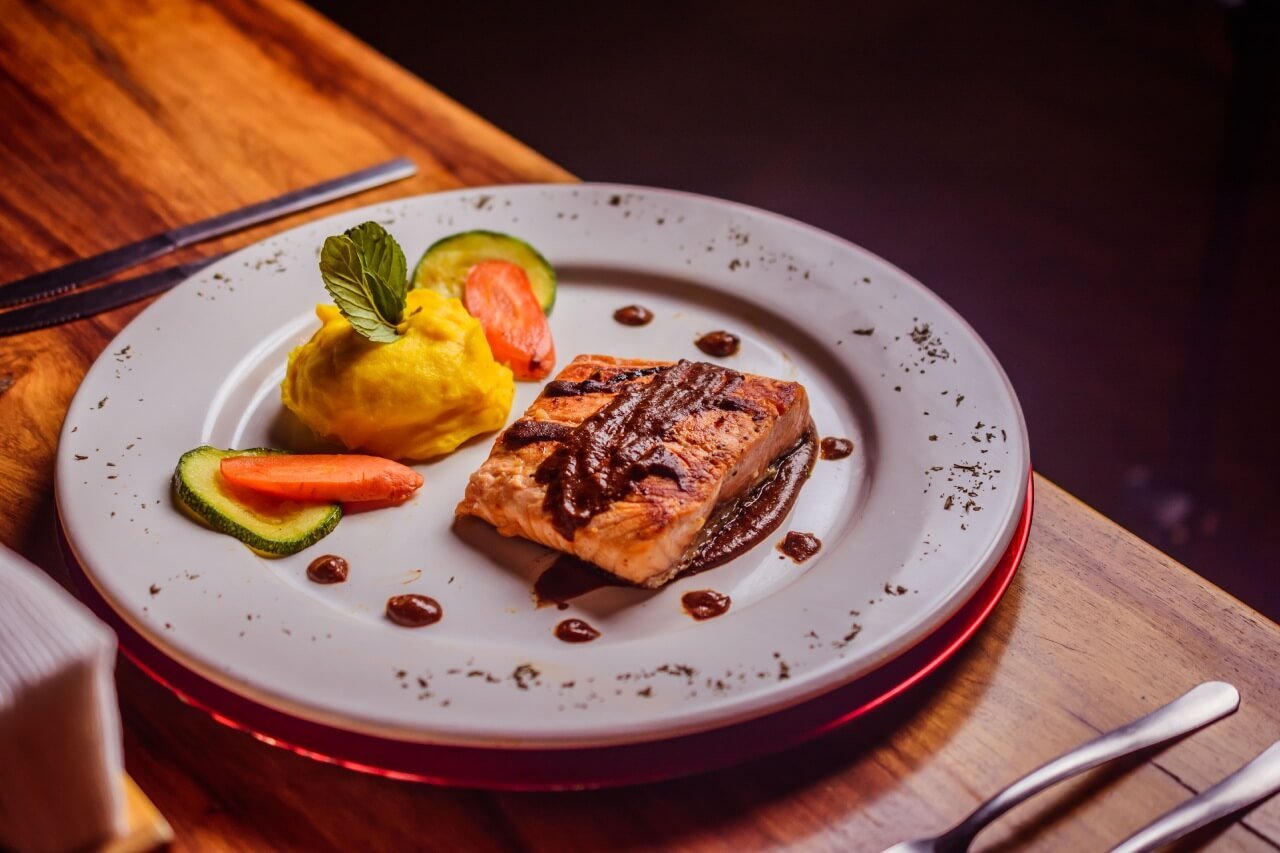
(1252,783)
(1193,710)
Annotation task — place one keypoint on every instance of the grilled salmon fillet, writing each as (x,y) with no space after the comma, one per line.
(622,461)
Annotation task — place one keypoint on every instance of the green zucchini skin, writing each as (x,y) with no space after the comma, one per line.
(444,266)
(271,527)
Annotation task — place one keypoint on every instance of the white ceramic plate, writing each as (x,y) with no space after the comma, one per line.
(911,524)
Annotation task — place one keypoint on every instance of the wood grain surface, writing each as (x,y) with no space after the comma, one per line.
(125,118)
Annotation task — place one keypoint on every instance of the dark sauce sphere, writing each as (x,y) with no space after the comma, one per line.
(800,546)
(328,569)
(414,611)
(633,315)
(705,603)
(836,448)
(575,631)
(720,344)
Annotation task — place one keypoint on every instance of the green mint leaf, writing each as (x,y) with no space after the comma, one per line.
(384,267)
(352,289)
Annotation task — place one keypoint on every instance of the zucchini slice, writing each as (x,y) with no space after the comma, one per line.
(270,526)
(445,264)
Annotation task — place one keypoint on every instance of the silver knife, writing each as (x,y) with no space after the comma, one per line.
(81,272)
(86,303)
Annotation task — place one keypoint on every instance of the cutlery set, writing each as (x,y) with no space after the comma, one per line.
(55,295)
(1199,707)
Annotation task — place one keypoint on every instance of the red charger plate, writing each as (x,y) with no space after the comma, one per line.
(558,769)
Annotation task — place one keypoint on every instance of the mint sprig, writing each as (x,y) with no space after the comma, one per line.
(365,272)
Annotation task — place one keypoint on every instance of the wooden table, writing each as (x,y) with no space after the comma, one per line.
(122,120)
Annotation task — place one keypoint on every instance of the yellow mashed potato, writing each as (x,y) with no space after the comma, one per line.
(418,397)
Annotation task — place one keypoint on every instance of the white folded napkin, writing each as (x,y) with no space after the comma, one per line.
(61,765)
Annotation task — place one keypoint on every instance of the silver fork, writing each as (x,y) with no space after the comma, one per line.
(1252,783)
(1198,707)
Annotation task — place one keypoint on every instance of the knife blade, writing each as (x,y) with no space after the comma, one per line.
(86,303)
(78,273)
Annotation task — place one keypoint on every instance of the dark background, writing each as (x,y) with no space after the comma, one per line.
(1095,186)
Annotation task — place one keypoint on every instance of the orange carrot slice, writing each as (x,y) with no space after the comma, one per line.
(499,295)
(322,477)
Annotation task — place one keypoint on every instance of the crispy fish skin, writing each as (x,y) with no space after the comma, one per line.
(642,537)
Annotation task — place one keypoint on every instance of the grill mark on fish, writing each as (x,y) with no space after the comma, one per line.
(595,384)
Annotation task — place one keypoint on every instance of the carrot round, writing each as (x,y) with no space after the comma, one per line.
(322,477)
(499,295)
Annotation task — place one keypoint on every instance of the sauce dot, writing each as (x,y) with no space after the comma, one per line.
(705,603)
(328,569)
(720,344)
(836,448)
(413,610)
(575,631)
(800,546)
(633,315)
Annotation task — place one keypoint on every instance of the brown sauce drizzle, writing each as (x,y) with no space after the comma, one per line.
(328,569)
(604,456)
(633,315)
(569,577)
(836,448)
(705,603)
(720,344)
(740,525)
(413,610)
(575,631)
(800,546)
